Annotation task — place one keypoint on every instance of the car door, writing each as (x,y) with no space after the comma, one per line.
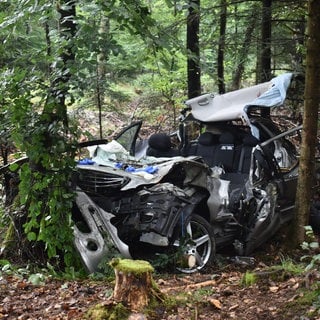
(128,137)
(275,161)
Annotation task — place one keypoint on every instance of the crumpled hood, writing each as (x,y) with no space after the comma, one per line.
(196,172)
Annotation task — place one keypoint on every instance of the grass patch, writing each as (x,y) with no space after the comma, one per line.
(286,269)
(306,299)
(249,279)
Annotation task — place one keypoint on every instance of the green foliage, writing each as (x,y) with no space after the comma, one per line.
(4,221)
(312,248)
(139,34)
(44,187)
(163,260)
(36,279)
(248,279)
(102,312)
(136,267)
(289,266)
(4,264)
(202,294)
(45,190)
(306,299)
(168,77)
(69,273)
(36,276)
(22,272)
(7,268)
(105,268)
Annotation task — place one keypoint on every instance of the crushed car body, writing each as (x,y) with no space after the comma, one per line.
(230,182)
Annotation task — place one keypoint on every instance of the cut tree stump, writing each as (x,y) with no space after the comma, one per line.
(134,285)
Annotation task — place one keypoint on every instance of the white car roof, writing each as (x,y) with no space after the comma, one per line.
(234,105)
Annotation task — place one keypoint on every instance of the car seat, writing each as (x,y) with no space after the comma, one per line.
(207,146)
(159,145)
(225,152)
(248,143)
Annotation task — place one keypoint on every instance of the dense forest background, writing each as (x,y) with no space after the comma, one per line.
(136,59)
(111,52)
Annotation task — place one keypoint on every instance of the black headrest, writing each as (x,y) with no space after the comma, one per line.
(208,139)
(160,141)
(226,138)
(250,141)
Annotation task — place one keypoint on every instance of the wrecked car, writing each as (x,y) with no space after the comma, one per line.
(231,180)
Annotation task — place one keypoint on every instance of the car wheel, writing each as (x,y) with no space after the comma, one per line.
(196,247)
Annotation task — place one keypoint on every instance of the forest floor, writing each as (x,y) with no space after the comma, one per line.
(272,287)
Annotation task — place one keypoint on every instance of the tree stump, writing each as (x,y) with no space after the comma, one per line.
(134,283)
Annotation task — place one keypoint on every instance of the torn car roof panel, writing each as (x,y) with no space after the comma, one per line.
(234,105)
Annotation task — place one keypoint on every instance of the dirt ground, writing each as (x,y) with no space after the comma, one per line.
(228,291)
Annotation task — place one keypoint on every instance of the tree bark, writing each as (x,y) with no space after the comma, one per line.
(101,67)
(134,284)
(297,56)
(265,54)
(67,27)
(243,53)
(310,125)
(193,64)
(221,47)
(264,70)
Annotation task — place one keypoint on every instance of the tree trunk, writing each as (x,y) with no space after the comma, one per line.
(297,56)
(265,54)
(221,47)
(67,27)
(101,67)
(193,64)
(134,290)
(134,284)
(310,125)
(264,71)
(243,53)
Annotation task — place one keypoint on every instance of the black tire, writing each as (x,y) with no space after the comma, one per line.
(197,248)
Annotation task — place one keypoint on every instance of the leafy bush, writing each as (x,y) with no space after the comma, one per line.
(39,131)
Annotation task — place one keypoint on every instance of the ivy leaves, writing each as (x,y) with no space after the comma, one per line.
(44,190)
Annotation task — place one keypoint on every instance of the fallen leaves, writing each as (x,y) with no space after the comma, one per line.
(199,296)
(20,299)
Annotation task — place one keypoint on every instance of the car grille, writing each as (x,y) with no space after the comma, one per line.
(98,182)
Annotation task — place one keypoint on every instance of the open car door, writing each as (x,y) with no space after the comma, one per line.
(128,137)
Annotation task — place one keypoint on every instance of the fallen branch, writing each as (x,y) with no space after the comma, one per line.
(192,286)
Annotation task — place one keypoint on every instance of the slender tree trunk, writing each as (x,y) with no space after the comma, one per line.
(48,43)
(221,47)
(310,124)
(101,68)
(264,72)
(297,58)
(194,73)
(265,55)
(67,26)
(55,109)
(243,54)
